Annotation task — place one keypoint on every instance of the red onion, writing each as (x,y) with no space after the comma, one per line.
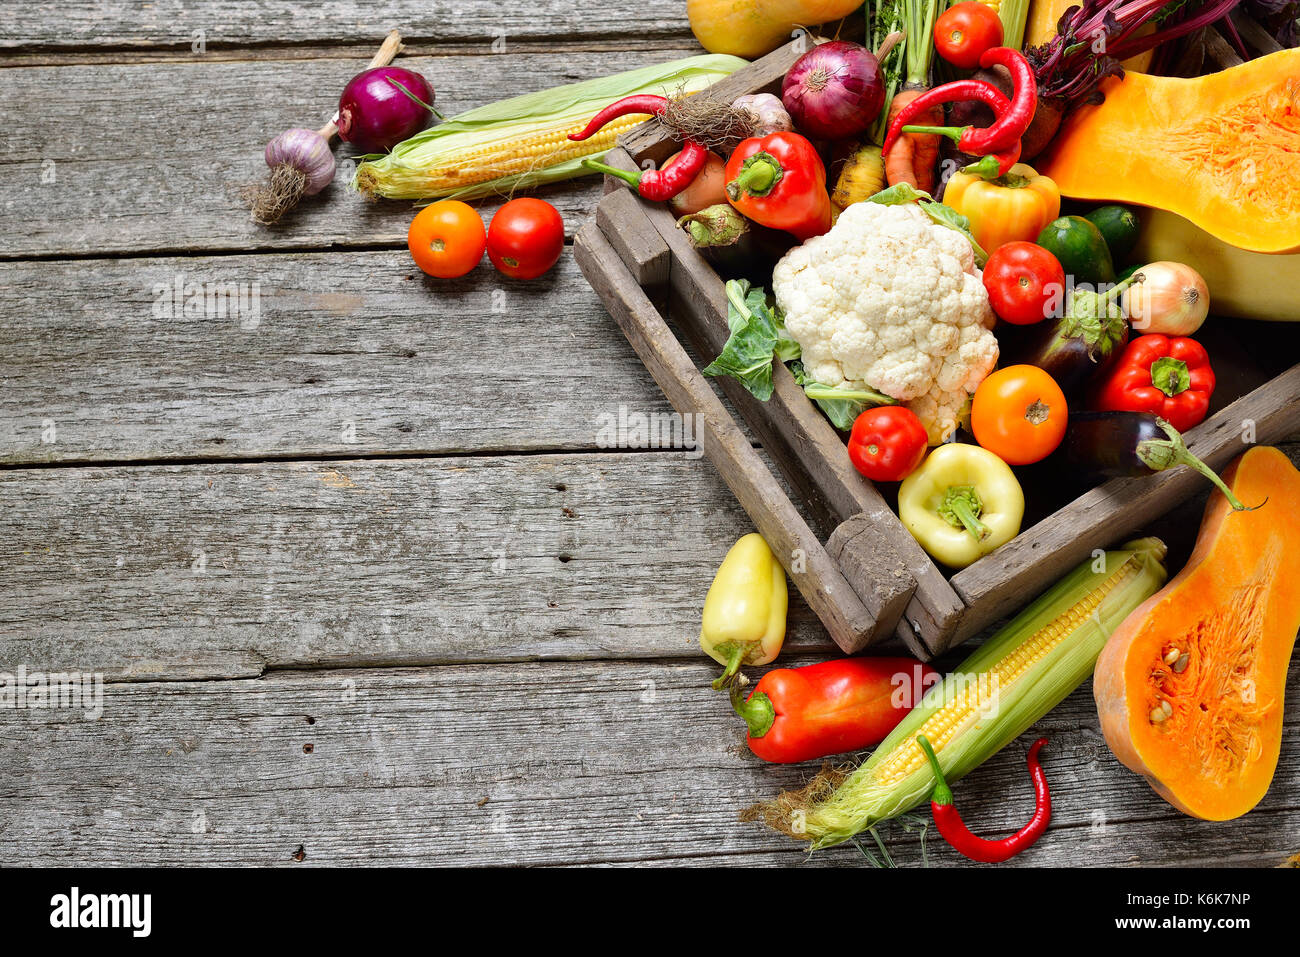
(379,108)
(834,91)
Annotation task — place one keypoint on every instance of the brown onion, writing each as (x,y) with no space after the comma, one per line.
(1172,299)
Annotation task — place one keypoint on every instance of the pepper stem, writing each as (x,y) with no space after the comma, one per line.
(952,132)
(942,793)
(758,176)
(735,652)
(758,712)
(1161,454)
(632,179)
(1170,375)
(986,167)
(962,508)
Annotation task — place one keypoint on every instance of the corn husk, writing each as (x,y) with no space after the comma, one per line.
(436,163)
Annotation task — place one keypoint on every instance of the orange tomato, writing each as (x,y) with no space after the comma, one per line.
(1019,414)
(447,239)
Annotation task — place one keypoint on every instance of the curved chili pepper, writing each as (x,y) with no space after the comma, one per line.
(1010,126)
(654,184)
(1009,123)
(954,830)
(639,103)
(954,92)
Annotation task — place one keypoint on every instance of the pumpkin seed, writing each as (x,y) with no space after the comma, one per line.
(1180,665)
(1171,656)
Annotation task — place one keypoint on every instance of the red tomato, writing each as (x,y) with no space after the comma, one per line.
(1025,282)
(526,238)
(965,31)
(1019,414)
(446,239)
(887,443)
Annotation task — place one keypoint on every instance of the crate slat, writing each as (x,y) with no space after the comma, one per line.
(818,577)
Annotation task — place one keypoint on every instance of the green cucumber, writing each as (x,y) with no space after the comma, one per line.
(1119,226)
(1081,248)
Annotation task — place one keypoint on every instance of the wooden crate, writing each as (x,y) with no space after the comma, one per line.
(869,580)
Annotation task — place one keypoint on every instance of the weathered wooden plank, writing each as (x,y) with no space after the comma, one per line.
(218,570)
(165,174)
(640,248)
(852,617)
(343,355)
(1001,582)
(183,24)
(557,763)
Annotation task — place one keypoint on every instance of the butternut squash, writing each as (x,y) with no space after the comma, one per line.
(1222,150)
(1189,688)
(1245,284)
(751,28)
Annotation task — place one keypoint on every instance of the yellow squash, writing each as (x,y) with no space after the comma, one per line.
(1222,150)
(751,28)
(1245,284)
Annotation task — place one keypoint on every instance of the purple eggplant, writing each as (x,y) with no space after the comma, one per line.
(1079,345)
(1127,444)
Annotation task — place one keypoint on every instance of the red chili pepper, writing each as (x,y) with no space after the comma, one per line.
(799,714)
(656,185)
(954,830)
(1010,126)
(779,181)
(1168,377)
(1009,123)
(955,92)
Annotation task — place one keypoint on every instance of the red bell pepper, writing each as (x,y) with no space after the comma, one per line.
(798,714)
(1166,376)
(779,181)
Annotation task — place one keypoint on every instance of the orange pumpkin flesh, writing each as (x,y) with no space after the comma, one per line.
(1233,611)
(1222,150)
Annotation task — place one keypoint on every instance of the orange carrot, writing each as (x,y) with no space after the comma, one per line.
(913,156)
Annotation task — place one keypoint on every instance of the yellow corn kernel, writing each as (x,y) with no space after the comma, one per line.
(478,165)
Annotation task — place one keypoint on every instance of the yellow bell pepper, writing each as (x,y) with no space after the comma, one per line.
(962,503)
(745,609)
(1015,207)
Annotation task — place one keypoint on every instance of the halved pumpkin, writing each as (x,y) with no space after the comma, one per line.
(1189,688)
(1222,150)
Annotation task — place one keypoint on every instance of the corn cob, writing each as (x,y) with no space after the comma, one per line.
(1010,682)
(523,141)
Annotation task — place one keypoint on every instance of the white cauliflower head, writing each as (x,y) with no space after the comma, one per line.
(891,300)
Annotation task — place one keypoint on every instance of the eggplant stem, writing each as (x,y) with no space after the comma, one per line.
(1161,454)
